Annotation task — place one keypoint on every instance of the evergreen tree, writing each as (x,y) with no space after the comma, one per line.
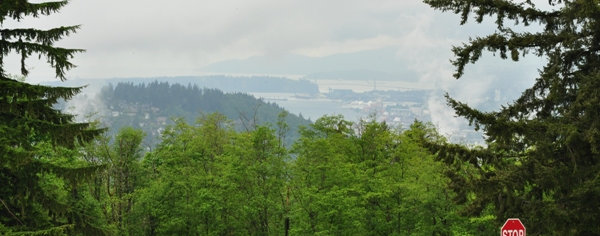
(39,193)
(542,161)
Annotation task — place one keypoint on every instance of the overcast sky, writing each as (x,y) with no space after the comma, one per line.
(137,38)
(182,37)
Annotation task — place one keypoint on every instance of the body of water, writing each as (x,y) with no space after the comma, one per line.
(311,108)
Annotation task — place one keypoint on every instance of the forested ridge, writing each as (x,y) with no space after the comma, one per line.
(205,177)
(152,106)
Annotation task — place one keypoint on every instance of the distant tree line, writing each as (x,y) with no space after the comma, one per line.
(255,84)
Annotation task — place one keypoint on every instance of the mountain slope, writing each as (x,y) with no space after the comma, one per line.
(152,106)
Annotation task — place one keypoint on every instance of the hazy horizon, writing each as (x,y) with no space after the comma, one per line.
(396,40)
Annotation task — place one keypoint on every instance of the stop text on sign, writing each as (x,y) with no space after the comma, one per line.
(513,227)
(513,232)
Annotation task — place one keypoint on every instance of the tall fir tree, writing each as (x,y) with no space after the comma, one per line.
(542,160)
(39,168)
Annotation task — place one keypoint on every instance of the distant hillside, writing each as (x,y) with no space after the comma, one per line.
(384,62)
(362,75)
(258,84)
(151,107)
(226,83)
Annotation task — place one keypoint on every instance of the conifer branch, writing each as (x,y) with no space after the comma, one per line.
(503,9)
(30,91)
(57,57)
(17,9)
(515,44)
(44,37)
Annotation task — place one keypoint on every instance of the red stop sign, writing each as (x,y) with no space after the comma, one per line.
(513,227)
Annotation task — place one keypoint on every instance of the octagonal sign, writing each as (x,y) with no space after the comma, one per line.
(513,227)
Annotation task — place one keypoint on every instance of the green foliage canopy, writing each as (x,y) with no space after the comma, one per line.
(346,179)
(369,179)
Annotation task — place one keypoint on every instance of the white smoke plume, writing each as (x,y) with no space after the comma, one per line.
(87,106)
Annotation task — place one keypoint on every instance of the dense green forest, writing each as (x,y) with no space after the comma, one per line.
(205,177)
(152,106)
